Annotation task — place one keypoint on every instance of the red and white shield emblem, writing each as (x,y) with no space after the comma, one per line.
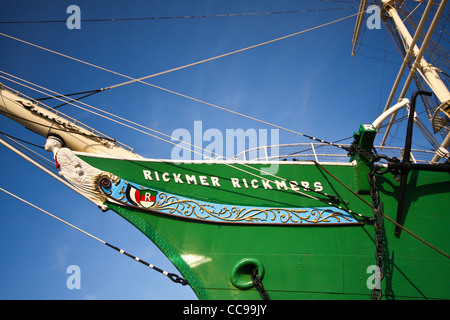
(143,198)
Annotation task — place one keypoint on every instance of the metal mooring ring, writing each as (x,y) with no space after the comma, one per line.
(241,273)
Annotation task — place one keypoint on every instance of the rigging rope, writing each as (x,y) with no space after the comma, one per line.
(37,157)
(382,214)
(171,276)
(68,95)
(185,17)
(24,141)
(229,53)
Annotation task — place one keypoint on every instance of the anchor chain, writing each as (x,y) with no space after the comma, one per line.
(378,224)
(258,284)
(377,208)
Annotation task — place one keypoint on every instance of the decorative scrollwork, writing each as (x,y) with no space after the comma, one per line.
(151,200)
(191,208)
(105,182)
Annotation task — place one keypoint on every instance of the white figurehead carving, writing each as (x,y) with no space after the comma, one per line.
(79,173)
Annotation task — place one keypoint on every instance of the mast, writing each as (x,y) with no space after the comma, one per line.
(420,65)
(359,19)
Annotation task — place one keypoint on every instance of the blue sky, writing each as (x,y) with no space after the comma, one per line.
(308,83)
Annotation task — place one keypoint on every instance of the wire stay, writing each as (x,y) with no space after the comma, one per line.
(175,278)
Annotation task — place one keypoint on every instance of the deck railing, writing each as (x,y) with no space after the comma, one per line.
(322,152)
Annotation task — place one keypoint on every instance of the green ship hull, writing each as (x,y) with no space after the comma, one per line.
(326,254)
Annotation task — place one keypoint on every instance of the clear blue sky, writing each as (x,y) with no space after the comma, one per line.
(309,83)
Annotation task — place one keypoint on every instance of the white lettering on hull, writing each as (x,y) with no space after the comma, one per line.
(237,183)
